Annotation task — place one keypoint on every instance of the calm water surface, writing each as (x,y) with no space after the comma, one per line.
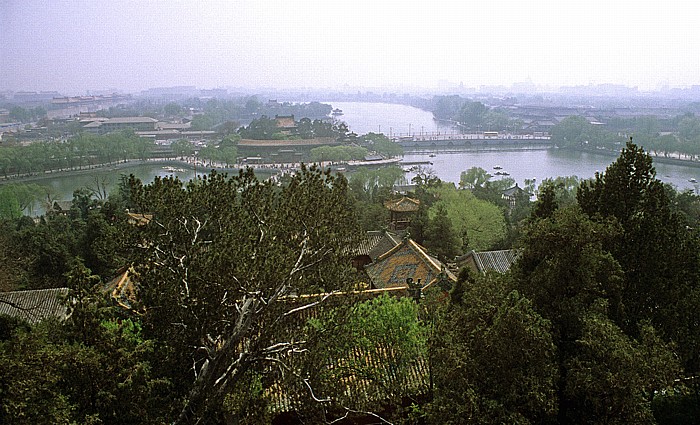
(540,164)
(393,119)
(388,118)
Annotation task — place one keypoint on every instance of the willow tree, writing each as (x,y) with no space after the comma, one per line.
(221,269)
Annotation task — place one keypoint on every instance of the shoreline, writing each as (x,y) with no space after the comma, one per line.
(282,167)
(606,153)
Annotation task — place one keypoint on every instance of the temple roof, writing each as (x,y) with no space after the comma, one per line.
(499,261)
(35,305)
(404,204)
(376,243)
(404,261)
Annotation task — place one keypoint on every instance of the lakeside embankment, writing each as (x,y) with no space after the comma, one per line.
(688,162)
(274,168)
(124,165)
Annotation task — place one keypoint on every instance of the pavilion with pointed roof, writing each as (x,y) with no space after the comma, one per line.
(401,210)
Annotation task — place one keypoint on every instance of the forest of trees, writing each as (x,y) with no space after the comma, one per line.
(265,128)
(75,153)
(677,137)
(245,296)
(473,116)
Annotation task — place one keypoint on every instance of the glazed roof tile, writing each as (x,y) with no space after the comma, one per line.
(376,243)
(404,204)
(406,260)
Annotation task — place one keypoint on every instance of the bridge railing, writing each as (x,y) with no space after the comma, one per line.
(434,136)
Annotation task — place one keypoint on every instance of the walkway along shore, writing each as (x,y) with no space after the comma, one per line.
(201,167)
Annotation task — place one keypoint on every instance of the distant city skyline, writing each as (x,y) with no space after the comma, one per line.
(78,46)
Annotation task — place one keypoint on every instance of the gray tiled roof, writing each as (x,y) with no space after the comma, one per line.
(499,261)
(131,120)
(376,243)
(35,305)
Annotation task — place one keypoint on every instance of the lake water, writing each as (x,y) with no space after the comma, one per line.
(393,119)
(542,164)
(387,118)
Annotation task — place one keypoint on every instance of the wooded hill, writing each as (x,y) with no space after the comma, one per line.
(246,308)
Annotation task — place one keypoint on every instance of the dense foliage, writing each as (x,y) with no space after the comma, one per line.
(265,128)
(472,116)
(75,153)
(677,137)
(595,323)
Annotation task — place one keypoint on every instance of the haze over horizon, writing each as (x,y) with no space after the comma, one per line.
(76,46)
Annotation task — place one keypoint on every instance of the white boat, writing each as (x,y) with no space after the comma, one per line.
(497,167)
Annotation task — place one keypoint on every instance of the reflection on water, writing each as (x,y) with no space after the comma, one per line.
(61,187)
(387,118)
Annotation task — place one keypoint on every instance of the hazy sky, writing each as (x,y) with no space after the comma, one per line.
(75,46)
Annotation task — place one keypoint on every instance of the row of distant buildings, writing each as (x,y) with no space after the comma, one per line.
(146,127)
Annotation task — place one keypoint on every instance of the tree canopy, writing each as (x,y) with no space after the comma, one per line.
(220,258)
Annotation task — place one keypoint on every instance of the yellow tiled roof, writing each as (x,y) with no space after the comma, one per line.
(405,204)
(406,260)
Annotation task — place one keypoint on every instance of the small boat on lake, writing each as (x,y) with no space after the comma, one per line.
(693,180)
(337,111)
(497,167)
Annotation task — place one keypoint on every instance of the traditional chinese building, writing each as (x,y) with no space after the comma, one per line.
(401,211)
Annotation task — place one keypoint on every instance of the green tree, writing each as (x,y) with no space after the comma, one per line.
(473,177)
(261,129)
(546,202)
(9,204)
(574,131)
(230,141)
(182,147)
(381,342)
(472,114)
(655,248)
(612,378)
(201,122)
(479,223)
(172,109)
(20,114)
(440,237)
(578,285)
(564,268)
(234,249)
(30,380)
(381,144)
(92,368)
(493,357)
(565,188)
